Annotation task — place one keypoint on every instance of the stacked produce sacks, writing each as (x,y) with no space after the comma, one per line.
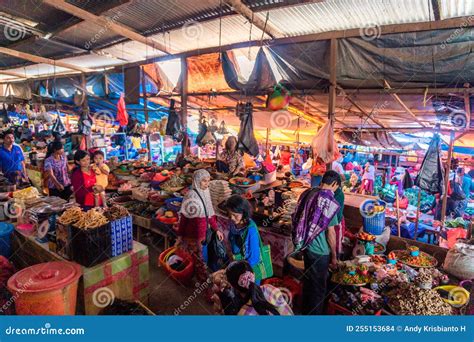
(220,191)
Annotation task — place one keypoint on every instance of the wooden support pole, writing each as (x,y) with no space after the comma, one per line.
(397,200)
(446,178)
(332,85)
(467,107)
(184,102)
(417,214)
(145,110)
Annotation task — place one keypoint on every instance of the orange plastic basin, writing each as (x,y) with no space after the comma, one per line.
(46,289)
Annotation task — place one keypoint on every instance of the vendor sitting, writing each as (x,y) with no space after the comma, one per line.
(230,160)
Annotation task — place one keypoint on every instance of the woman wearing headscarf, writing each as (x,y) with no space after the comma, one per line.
(238,294)
(196,217)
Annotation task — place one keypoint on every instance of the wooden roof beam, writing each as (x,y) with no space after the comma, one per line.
(404,106)
(12,73)
(39,59)
(246,12)
(120,29)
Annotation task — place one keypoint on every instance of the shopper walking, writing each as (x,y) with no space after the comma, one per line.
(196,217)
(314,234)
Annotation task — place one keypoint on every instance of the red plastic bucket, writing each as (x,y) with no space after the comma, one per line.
(46,289)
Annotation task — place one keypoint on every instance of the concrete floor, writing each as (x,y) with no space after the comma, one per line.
(168,297)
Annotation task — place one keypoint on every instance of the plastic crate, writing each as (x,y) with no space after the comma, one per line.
(121,235)
(92,246)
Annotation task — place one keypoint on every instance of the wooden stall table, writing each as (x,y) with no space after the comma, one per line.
(144,224)
(125,276)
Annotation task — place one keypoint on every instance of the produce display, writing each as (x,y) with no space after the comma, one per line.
(242,181)
(25,194)
(365,236)
(351,275)
(116,212)
(91,219)
(411,300)
(422,260)
(70,216)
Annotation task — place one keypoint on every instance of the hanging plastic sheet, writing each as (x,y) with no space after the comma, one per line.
(247,142)
(205,73)
(431,175)
(261,78)
(303,66)
(405,59)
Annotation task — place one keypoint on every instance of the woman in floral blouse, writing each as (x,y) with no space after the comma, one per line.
(55,166)
(232,157)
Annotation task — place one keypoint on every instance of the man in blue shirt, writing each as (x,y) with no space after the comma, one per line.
(12,162)
(466,185)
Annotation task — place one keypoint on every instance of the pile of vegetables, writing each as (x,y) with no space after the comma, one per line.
(457,222)
(427,200)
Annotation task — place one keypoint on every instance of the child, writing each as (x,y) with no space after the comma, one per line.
(102,174)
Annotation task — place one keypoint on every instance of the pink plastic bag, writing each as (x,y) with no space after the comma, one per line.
(324,145)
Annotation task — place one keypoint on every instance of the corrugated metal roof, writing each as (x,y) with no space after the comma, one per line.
(456,8)
(149,16)
(88,35)
(332,15)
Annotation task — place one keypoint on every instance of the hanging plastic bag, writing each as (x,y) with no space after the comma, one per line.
(324,145)
(5,117)
(247,141)
(58,126)
(173,125)
(431,175)
(202,133)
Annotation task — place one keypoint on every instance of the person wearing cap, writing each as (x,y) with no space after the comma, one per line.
(12,161)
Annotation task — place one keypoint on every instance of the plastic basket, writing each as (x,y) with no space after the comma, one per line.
(185,276)
(373,224)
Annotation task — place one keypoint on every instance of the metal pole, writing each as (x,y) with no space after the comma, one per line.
(184,102)
(332,85)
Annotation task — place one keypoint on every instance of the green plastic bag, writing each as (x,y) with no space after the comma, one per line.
(264,269)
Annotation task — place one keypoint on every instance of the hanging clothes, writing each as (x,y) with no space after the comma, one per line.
(122,115)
